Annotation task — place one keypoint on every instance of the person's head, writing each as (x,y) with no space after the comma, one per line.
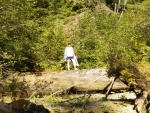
(69,43)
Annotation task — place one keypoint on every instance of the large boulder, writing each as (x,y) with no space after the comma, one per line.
(22,106)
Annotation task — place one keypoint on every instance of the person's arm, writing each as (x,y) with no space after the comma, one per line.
(65,53)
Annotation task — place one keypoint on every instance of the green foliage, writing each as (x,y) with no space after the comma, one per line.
(13,30)
(51,43)
(130,50)
(116,41)
(41,3)
(88,43)
(22,34)
(33,38)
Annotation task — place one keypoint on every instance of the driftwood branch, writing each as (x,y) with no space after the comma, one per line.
(92,83)
(110,87)
(79,97)
(140,102)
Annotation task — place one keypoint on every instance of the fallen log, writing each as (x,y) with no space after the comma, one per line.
(142,98)
(140,102)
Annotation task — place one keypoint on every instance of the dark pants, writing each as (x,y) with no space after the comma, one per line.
(70,58)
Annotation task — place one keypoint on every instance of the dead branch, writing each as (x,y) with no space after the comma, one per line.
(110,87)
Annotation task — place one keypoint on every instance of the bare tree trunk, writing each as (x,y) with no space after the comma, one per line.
(118,5)
(123,9)
(115,9)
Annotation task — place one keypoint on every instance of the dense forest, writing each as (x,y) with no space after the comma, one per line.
(104,33)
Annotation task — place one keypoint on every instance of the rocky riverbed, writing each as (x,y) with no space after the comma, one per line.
(79,91)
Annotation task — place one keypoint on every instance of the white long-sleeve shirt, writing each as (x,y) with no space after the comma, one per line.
(69,52)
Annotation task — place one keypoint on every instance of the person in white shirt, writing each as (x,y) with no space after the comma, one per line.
(70,56)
